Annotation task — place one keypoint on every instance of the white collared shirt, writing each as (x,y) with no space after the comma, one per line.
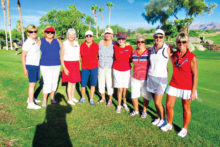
(33,52)
(71,52)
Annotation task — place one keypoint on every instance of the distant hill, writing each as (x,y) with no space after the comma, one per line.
(206,26)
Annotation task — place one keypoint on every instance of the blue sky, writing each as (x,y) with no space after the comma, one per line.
(126,13)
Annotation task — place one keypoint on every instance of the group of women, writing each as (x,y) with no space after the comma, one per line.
(109,63)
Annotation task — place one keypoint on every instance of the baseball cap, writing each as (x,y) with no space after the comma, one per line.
(159,31)
(109,30)
(50,29)
(89,33)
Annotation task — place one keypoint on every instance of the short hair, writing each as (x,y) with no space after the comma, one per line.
(139,37)
(31,27)
(71,30)
(44,35)
(182,37)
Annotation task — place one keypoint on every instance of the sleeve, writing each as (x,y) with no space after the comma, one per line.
(81,50)
(26,47)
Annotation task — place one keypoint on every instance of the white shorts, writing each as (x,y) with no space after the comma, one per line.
(181,93)
(121,78)
(138,89)
(50,76)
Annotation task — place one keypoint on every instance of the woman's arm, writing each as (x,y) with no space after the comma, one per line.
(62,51)
(194,67)
(23,60)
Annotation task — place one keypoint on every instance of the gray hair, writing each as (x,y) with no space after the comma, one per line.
(139,37)
(70,30)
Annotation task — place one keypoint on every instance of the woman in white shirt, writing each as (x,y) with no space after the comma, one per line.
(70,62)
(30,60)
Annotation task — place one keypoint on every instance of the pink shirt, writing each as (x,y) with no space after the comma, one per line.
(141,64)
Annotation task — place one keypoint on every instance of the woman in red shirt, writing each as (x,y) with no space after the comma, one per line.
(122,69)
(183,83)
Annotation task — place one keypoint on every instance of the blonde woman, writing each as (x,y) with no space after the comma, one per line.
(50,63)
(183,83)
(70,54)
(30,60)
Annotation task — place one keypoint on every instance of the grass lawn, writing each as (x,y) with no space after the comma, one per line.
(215,38)
(84,125)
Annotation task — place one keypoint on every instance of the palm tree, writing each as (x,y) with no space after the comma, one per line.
(90,21)
(94,8)
(9,22)
(100,10)
(110,4)
(21,20)
(6,34)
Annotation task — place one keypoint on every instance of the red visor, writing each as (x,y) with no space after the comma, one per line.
(50,29)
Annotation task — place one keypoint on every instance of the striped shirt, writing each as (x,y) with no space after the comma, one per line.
(141,64)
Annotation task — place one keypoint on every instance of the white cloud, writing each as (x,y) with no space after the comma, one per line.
(139,25)
(27,18)
(131,1)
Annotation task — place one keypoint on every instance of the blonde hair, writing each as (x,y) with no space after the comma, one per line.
(182,37)
(139,37)
(31,28)
(44,35)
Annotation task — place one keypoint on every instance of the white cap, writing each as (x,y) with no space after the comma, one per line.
(109,30)
(159,31)
(89,33)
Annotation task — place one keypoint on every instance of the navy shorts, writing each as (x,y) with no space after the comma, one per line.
(33,73)
(93,76)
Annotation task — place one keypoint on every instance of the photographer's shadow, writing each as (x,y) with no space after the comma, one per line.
(54,130)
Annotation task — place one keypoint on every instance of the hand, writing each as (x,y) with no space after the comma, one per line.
(193,96)
(127,43)
(25,72)
(66,71)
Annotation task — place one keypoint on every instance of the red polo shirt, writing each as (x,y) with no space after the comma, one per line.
(89,55)
(122,58)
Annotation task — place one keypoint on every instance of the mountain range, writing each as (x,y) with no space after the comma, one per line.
(206,26)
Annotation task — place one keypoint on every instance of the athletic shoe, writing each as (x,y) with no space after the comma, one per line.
(53,101)
(82,100)
(91,102)
(161,123)
(182,133)
(44,104)
(143,115)
(156,121)
(133,113)
(109,104)
(126,107)
(35,100)
(71,103)
(101,101)
(118,110)
(167,127)
(75,100)
(33,106)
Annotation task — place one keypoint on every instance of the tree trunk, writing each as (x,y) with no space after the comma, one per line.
(9,23)
(109,11)
(22,29)
(102,20)
(96,24)
(5,21)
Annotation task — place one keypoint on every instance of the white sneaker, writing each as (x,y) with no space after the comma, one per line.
(118,109)
(167,127)
(71,103)
(160,124)
(75,100)
(182,133)
(33,106)
(35,100)
(156,121)
(133,113)
(126,107)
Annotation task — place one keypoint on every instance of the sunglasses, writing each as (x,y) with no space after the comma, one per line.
(32,32)
(49,32)
(89,36)
(183,42)
(121,39)
(156,37)
(140,42)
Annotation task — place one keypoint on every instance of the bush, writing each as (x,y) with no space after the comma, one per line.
(193,33)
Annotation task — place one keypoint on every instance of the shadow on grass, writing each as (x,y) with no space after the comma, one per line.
(54,131)
(39,88)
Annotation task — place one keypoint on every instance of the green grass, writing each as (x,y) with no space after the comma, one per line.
(215,38)
(83,125)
